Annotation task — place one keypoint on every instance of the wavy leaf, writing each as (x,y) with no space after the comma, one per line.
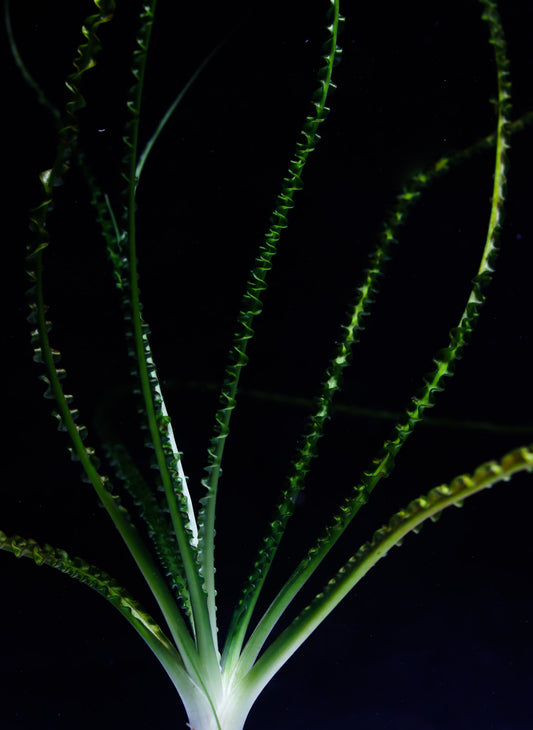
(250,308)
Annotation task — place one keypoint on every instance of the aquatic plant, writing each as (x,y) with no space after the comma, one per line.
(216,697)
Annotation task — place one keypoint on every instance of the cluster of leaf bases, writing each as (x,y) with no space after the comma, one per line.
(219,683)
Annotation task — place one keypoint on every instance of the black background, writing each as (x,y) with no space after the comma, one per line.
(438,636)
